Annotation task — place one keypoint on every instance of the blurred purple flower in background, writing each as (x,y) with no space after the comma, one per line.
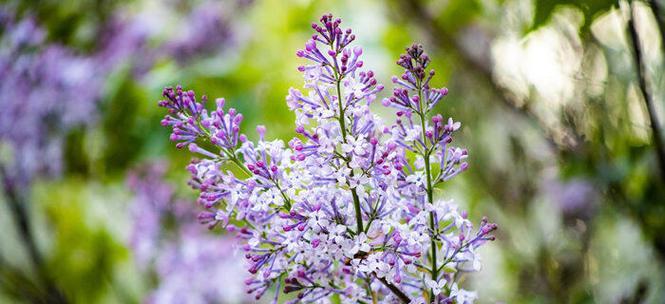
(575,198)
(200,268)
(192,265)
(49,89)
(46,90)
(205,31)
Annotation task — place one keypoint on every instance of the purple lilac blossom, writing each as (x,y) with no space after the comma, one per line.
(46,90)
(206,31)
(346,207)
(575,198)
(192,264)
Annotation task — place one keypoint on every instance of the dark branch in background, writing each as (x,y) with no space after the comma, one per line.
(480,67)
(482,70)
(646,93)
(657,10)
(659,238)
(21,218)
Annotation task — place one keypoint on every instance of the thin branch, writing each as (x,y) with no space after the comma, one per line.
(21,219)
(18,208)
(400,294)
(646,93)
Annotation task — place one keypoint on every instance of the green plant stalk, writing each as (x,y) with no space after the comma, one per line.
(430,200)
(342,125)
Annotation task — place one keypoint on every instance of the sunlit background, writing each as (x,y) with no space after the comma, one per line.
(562,104)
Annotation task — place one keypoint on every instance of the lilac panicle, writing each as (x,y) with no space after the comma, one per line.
(48,89)
(206,31)
(346,207)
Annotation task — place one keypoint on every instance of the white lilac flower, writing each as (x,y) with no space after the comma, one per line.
(341,210)
(436,287)
(417,178)
(462,296)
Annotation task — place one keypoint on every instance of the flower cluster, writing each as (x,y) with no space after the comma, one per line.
(191,264)
(46,90)
(346,208)
(49,88)
(207,30)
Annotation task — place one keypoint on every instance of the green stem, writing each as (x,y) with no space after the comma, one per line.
(342,121)
(287,201)
(242,167)
(446,261)
(342,125)
(430,200)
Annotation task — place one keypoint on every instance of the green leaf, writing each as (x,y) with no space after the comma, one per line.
(544,9)
(449,269)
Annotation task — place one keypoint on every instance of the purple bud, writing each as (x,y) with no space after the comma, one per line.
(220,102)
(310,45)
(357,51)
(261,129)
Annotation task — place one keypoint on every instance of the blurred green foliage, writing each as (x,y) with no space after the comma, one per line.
(590,9)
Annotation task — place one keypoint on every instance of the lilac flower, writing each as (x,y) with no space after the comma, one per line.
(346,207)
(206,31)
(49,89)
(575,198)
(192,266)
(46,90)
